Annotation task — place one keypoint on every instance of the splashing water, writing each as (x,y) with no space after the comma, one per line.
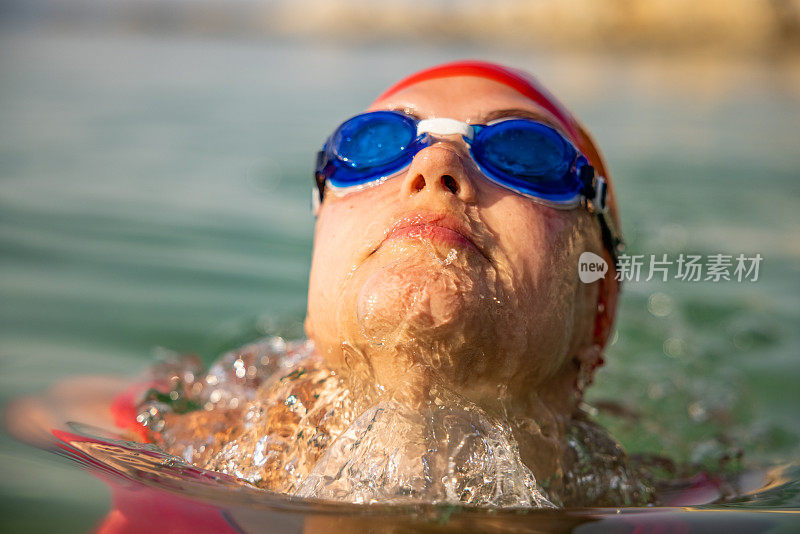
(450,453)
(275,416)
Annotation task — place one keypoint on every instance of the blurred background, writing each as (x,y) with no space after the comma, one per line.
(155,177)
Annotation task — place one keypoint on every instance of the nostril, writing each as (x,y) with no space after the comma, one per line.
(450,183)
(418,183)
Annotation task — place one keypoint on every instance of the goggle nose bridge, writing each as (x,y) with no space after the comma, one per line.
(440,127)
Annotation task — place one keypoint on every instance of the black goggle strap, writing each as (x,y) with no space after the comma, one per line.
(321,172)
(594,190)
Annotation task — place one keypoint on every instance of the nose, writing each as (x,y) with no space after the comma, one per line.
(439,170)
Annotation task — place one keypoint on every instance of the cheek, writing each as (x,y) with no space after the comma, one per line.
(334,252)
(537,246)
(523,239)
(341,234)
(540,242)
(345,232)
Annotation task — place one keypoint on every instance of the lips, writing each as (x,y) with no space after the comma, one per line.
(439,228)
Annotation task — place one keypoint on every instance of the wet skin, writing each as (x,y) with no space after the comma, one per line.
(438,278)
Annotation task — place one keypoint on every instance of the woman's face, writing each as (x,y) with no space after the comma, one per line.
(438,275)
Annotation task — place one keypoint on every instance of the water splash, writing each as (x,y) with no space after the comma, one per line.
(274,415)
(442,454)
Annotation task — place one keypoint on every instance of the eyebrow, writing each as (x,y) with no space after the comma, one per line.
(407,110)
(523,114)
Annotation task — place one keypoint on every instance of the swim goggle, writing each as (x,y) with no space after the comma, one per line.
(525,156)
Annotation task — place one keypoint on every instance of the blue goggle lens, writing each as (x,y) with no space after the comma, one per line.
(373,140)
(526,155)
(523,149)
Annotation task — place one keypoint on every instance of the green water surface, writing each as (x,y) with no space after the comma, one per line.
(154,192)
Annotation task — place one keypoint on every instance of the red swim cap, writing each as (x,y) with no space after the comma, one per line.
(527,85)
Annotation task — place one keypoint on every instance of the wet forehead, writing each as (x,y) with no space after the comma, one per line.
(466,98)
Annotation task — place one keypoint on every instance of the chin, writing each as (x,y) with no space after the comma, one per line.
(418,296)
(423,323)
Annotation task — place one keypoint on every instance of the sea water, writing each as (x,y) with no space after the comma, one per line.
(154,194)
